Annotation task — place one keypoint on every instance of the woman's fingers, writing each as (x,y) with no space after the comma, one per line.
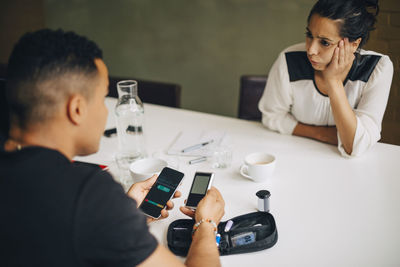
(348,52)
(342,53)
(335,59)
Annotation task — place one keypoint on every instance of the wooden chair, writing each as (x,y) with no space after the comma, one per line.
(251,90)
(166,94)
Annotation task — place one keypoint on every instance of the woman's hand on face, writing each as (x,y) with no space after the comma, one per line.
(341,62)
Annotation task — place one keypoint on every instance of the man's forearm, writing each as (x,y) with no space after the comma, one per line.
(326,134)
(203,251)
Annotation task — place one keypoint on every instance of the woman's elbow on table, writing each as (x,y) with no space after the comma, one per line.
(282,123)
(366,136)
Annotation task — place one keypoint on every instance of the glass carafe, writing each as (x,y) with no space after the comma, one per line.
(130,124)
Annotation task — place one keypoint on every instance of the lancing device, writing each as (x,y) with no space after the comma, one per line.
(228,226)
(201,159)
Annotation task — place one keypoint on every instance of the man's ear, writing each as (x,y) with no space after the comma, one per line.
(76,109)
(355,44)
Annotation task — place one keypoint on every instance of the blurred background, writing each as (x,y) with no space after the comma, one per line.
(202,45)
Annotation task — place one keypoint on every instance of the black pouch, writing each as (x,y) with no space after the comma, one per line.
(250,232)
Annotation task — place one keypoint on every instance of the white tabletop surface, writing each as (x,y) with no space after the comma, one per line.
(329,210)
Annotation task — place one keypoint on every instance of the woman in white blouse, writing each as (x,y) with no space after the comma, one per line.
(330,89)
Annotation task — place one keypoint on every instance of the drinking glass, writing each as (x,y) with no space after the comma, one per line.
(222,157)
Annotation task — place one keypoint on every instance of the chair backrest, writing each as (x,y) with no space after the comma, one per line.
(251,90)
(3,70)
(4,114)
(165,94)
(4,119)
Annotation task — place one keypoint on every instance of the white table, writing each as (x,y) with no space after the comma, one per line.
(329,210)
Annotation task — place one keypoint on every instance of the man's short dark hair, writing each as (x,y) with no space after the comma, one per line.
(44,68)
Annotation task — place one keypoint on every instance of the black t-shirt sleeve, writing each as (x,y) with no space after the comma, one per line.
(109,229)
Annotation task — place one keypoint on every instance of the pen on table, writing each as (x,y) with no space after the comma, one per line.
(190,148)
(201,159)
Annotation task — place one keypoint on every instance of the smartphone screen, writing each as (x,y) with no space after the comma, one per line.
(201,183)
(162,191)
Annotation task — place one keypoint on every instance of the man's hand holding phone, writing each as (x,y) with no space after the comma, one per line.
(212,207)
(139,190)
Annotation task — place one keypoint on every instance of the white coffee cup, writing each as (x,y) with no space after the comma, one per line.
(145,168)
(258,166)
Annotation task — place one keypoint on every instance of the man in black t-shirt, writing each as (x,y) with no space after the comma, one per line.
(56,213)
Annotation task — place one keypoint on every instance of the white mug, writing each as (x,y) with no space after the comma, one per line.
(258,166)
(145,168)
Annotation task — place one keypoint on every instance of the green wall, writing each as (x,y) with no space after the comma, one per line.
(203,45)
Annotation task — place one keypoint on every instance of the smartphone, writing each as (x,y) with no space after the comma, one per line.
(202,181)
(162,191)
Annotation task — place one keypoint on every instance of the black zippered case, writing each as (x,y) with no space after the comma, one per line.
(250,232)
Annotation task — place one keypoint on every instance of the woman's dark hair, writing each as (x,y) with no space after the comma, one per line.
(358,17)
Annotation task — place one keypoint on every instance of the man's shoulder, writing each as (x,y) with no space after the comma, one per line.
(42,168)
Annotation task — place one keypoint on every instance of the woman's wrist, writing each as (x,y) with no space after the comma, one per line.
(333,85)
